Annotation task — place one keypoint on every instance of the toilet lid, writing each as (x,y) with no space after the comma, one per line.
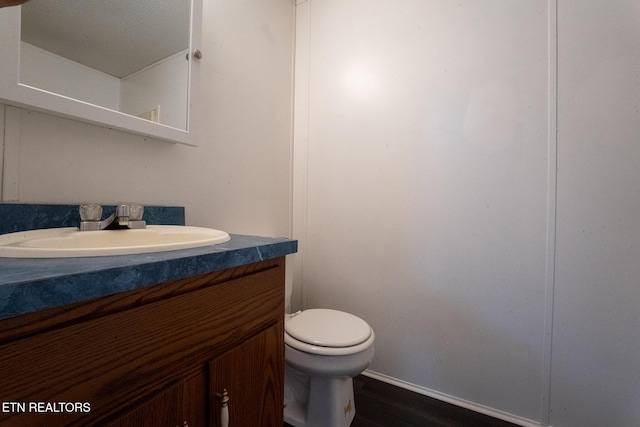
(328,328)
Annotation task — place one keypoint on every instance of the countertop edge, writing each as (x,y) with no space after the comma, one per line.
(134,272)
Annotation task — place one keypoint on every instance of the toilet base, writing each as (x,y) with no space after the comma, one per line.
(318,401)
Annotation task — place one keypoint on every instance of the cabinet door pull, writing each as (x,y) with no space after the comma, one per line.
(184,424)
(224,408)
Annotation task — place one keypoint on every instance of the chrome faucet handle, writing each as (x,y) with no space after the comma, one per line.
(130,215)
(90,212)
(135,212)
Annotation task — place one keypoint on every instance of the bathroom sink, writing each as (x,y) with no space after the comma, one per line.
(69,242)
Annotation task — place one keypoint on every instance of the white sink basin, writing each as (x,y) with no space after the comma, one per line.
(69,242)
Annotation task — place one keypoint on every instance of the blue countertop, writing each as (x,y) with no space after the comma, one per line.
(28,285)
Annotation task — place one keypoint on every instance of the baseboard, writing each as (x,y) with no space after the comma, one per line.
(514,419)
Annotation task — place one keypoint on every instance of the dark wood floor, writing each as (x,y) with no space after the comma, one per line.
(379,404)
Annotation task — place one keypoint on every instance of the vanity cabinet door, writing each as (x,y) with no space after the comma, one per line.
(252,376)
(182,405)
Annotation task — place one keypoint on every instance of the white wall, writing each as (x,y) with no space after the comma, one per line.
(596,340)
(238,179)
(425,197)
(427,187)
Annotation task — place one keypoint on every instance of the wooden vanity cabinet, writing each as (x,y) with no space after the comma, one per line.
(248,374)
(184,404)
(156,357)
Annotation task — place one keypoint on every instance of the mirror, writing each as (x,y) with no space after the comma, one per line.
(119,63)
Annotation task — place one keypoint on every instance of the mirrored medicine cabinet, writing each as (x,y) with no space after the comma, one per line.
(128,65)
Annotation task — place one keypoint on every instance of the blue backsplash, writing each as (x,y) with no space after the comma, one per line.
(21,217)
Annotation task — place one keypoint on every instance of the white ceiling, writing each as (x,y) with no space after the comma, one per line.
(117,37)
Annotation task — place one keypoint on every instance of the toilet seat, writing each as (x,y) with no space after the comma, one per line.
(327,332)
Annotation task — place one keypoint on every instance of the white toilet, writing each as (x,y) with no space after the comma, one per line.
(324,350)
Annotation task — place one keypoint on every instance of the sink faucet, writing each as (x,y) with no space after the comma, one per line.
(125,216)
